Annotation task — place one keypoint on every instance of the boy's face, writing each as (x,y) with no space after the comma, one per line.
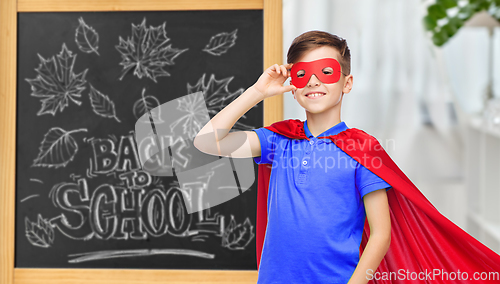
(330,95)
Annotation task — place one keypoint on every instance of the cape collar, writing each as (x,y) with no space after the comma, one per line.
(294,128)
(334,130)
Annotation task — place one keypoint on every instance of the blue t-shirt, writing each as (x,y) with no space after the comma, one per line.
(315,208)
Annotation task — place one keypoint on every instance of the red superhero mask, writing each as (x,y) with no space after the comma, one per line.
(301,72)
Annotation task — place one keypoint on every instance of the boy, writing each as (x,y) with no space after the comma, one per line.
(324,179)
(315,239)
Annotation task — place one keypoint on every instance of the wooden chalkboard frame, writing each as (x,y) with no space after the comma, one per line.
(9,9)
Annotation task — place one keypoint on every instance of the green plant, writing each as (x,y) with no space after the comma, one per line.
(445,17)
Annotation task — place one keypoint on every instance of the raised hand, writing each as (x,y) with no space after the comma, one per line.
(270,83)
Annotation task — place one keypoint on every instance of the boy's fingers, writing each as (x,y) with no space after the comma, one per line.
(289,69)
(288,88)
(277,68)
(283,70)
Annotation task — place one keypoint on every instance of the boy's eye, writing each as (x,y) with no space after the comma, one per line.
(301,73)
(328,71)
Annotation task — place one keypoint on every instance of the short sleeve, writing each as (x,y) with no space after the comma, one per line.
(366,181)
(267,140)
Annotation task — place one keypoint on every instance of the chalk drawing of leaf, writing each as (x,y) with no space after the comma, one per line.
(220,43)
(57,149)
(196,116)
(86,38)
(217,96)
(56,82)
(146,51)
(145,104)
(39,234)
(102,104)
(237,237)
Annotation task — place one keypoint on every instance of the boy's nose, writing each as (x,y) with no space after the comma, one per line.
(313,81)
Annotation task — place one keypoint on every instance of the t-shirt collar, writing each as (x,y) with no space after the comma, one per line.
(334,130)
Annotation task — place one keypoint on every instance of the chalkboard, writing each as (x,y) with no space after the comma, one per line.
(84,81)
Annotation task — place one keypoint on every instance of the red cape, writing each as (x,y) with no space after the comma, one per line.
(422,239)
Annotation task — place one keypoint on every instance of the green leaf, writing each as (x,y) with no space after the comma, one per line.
(440,38)
(447,3)
(456,22)
(479,5)
(485,5)
(449,29)
(429,23)
(466,11)
(436,11)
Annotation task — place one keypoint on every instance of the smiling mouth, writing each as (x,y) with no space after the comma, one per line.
(315,95)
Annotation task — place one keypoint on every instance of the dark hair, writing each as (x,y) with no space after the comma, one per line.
(314,39)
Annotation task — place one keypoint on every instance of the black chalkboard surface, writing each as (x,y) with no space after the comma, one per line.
(84,80)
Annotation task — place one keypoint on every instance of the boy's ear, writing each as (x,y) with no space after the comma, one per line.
(349,82)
